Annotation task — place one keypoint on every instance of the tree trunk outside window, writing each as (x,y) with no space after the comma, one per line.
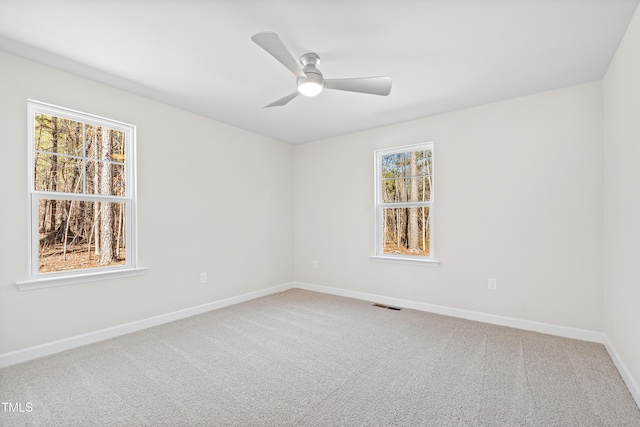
(414,233)
(106,212)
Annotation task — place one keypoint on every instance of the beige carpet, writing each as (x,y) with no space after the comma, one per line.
(300,358)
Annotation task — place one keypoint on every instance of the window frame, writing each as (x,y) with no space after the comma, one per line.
(379,206)
(130,268)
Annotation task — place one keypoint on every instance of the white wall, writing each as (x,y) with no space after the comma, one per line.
(518,188)
(211,198)
(622,200)
(519,194)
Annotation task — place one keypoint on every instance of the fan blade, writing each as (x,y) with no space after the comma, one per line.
(371,85)
(283,101)
(274,46)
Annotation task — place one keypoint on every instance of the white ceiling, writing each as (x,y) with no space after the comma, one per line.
(443,55)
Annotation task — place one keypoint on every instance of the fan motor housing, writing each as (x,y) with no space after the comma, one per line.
(312,84)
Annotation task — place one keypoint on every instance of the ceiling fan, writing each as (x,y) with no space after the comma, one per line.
(310,81)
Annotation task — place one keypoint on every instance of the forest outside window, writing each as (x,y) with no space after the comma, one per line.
(404,204)
(82,197)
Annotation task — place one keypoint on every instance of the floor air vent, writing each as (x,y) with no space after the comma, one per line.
(387,306)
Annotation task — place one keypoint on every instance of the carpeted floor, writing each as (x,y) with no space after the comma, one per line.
(300,358)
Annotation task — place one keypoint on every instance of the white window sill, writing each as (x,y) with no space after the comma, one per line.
(405,260)
(61,279)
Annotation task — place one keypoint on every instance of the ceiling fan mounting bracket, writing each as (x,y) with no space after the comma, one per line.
(309,62)
(310,58)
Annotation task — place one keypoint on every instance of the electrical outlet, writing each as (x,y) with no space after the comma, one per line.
(203,277)
(315,264)
(492,284)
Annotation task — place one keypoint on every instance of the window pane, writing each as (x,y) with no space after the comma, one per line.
(415,189)
(105,178)
(57,173)
(57,135)
(393,165)
(76,235)
(407,177)
(105,144)
(406,231)
(399,164)
(424,188)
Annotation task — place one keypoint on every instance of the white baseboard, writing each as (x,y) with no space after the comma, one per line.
(30,353)
(545,328)
(633,387)
(19,356)
(529,325)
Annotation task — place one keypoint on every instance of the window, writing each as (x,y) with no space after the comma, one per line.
(404,204)
(82,197)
